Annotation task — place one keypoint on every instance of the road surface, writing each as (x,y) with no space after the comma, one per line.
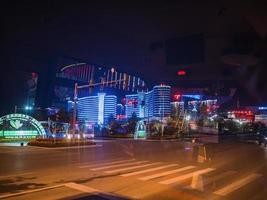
(135,169)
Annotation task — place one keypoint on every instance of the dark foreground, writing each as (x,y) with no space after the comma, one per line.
(128,169)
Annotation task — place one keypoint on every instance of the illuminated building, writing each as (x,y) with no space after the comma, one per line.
(149,108)
(110,107)
(211,105)
(155,103)
(120,112)
(87,108)
(135,104)
(179,106)
(242,115)
(261,118)
(161,101)
(96,109)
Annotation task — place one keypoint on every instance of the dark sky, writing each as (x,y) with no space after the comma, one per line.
(121,34)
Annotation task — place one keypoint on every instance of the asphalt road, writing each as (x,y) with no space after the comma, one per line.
(135,169)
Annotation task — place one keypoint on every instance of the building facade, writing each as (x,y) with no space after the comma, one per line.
(162,101)
(155,103)
(178,108)
(96,109)
(135,103)
(110,107)
(149,104)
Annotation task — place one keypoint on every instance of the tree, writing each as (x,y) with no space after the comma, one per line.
(61,116)
(113,124)
(132,123)
(203,114)
(111,118)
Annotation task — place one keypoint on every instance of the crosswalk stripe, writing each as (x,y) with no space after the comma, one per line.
(166,173)
(220,176)
(186,176)
(118,165)
(106,163)
(148,170)
(237,184)
(130,168)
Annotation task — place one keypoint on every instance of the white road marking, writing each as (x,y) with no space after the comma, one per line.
(220,176)
(106,163)
(118,165)
(166,173)
(130,168)
(80,187)
(148,170)
(16,175)
(237,184)
(186,176)
(86,189)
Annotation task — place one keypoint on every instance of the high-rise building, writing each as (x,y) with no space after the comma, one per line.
(161,101)
(120,112)
(135,104)
(149,108)
(155,103)
(110,107)
(96,109)
(87,109)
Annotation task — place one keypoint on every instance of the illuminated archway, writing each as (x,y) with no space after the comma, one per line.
(20,126)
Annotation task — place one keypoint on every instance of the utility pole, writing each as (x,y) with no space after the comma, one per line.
(74,107)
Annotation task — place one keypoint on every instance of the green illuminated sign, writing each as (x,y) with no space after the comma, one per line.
(140,130)
(20,125)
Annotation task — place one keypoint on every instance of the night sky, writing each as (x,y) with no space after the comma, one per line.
(134,37)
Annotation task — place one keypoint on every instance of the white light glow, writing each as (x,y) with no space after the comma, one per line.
(188,117)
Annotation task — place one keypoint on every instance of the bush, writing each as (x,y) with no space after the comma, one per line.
(60,142)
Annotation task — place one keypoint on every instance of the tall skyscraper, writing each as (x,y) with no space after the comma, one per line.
(162,100)
(110,107)
(96,109)
(149,104)
(155,103)
(87,108)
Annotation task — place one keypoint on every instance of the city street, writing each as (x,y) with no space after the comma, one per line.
(135,169)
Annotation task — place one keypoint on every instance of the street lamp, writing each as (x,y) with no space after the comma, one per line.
(28,108)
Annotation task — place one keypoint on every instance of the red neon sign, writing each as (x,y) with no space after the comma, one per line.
(181,73)
(177,97)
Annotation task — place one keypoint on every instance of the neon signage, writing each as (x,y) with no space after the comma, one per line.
(20,126)
(140,130)
(177,97)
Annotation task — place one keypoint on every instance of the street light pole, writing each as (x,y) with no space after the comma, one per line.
(74,107)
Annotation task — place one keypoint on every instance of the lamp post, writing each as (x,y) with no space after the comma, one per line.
(74,108)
